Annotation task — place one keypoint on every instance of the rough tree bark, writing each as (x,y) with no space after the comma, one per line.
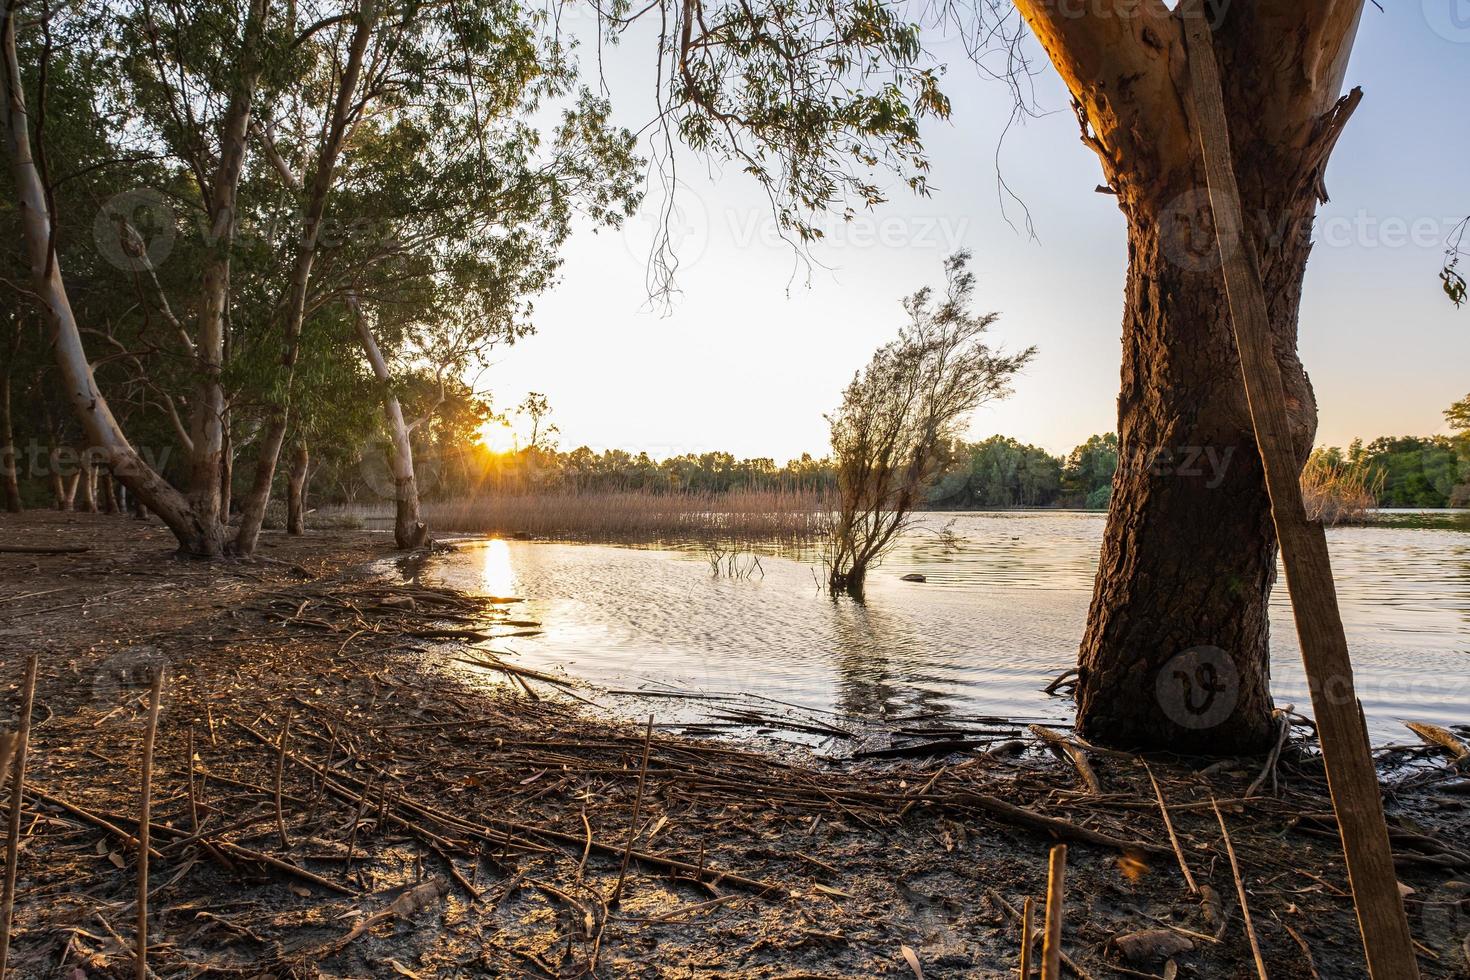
(1176,648)
(409,530)
(296,490)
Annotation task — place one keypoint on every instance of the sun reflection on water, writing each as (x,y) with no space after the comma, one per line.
(497,576)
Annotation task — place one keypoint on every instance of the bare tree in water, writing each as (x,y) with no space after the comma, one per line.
(913,398)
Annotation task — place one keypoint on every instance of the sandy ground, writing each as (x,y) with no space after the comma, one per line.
(352,807)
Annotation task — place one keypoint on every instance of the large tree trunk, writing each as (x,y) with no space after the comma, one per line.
(1176,650)
(9,477)
(98,424)
(296,490)
(409,530)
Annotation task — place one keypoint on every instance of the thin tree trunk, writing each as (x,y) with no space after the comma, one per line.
(409,530)
(226,470)
(8,470)
(87,483)
(343,112)
(1176,649)
(98,424)
(252,510)
(296,490)
(207,429)
(109,492)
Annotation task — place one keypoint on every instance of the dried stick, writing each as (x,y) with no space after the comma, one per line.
(1064,747)
(1056,898)
(193,800)
(1173,838)
(280,771)
(1269,769)
(1245,911)
(12,836)
(155,697)
(637,806)
(1028,914)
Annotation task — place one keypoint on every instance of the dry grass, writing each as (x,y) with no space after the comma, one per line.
(749,516)
(1339,493)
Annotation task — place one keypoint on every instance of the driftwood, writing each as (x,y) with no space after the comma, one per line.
(1441,738)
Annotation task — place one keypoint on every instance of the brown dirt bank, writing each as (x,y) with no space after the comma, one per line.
(497,822)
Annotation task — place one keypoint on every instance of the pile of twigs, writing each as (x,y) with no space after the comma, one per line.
(317,790)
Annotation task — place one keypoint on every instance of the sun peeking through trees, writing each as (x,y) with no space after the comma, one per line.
(898,415)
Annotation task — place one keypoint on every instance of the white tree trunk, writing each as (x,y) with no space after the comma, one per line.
(409,531)
(101,428)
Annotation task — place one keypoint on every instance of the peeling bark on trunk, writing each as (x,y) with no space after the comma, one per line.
(98,424)
(409,530)
(1176,650)
(296,490)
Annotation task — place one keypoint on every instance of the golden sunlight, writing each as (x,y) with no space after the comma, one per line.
(497,437)
(497,577)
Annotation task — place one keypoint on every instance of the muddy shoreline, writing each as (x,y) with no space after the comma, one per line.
(432,827)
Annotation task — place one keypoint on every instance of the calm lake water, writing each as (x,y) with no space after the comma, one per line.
(997,618)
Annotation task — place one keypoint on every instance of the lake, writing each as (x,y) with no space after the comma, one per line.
(999,616)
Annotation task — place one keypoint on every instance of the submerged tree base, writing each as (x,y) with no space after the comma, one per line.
(438,826)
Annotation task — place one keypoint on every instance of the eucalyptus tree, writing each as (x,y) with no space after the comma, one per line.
(1189,555)
(470,204)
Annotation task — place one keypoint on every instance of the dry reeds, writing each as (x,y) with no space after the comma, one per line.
(793,516)
(1336,492)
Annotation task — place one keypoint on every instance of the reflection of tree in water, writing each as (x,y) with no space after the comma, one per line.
(874,678)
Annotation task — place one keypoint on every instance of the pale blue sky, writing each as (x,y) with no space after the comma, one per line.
(745,364)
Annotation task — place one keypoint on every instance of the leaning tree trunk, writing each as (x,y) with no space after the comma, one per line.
(1176,650)
(80,386)
(409,530)
(296,490)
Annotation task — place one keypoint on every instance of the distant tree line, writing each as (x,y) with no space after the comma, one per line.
(998,472)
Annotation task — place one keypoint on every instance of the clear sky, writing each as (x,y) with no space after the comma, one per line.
(748,359)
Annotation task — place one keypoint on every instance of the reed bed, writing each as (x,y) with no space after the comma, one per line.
(1339,492)
(791,516)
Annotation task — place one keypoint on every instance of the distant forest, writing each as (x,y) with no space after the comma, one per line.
(998,472)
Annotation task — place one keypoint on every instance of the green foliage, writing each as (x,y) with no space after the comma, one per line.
(812,99)
(1450,277)
(1417,471)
